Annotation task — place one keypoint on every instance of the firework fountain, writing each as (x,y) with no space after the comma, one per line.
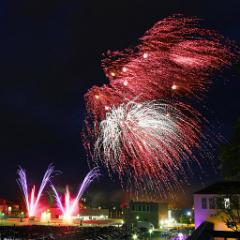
(70,206)
(32,201)
(141,124)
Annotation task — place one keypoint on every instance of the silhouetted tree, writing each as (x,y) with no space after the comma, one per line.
(230,156)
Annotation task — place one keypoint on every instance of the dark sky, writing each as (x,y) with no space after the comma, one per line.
(50,53)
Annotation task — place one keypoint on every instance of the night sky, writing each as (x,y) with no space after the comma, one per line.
(50,53)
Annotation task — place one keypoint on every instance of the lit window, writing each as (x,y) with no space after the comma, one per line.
(226,203)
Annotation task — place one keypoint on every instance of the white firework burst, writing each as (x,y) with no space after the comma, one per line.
(151,138)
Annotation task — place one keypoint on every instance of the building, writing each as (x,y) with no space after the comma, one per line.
(210,203)
(94,214)
(115,213)
(146,211)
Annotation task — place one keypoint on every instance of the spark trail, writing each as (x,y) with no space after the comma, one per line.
(127,127)
(150,139)
(70,206)
(174,60)
(32,201)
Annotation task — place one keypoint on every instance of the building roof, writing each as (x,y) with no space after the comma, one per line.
(227,187)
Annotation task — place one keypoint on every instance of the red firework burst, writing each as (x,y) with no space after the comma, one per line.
(173,62)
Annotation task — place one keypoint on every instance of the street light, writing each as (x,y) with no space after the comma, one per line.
(134,236)
(150,232)
(137,217)
(189,213)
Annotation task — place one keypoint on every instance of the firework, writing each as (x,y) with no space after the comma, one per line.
(175,58)
(71,205)
(140,124)
(148,139)
(30,199)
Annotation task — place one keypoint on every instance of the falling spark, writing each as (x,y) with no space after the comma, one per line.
(174,54)
(173,64)
(149,138)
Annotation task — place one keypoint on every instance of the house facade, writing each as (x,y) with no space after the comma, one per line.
(211,203)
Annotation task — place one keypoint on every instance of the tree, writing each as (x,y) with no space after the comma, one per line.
(230,156)
(230,211)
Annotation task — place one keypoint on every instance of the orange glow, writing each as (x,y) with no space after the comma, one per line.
(113,74)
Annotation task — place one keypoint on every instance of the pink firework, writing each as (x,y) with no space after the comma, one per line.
(172,64)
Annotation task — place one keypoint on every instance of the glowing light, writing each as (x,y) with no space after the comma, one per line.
(145,55)
(125,82)
(113,74)
(180,236)
(97,96)
(189,213)
(71,205)
(107,108)
(32,203)
(45,216)
(124,69)
(174,87)
(134,236)
(227,203)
